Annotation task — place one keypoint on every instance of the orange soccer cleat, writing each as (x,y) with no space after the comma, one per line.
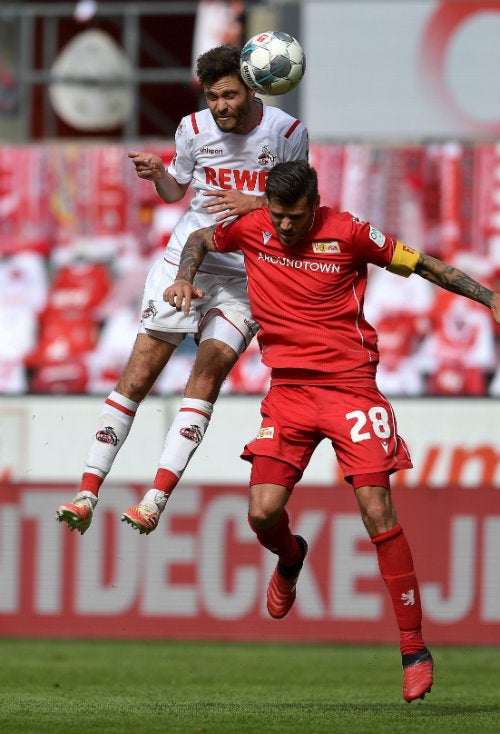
(145,516)
(78,513)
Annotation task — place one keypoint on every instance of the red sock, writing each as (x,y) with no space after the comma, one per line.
(165,481)
(91,483)
(396,566)
(279,540)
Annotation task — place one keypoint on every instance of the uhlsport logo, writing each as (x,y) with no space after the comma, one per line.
(211,151)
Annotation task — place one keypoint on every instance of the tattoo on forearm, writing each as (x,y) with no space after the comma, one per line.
(192,256)
(453,280)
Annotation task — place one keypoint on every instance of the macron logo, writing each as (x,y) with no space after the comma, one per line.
(266,236)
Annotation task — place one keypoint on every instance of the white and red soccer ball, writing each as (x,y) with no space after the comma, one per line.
(272,62)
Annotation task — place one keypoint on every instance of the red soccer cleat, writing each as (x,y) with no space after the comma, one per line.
(145,516)
(417,675)
(281,591)
(78,513)
(142,517)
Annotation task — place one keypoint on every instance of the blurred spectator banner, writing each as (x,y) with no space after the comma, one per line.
(72,215)
(442,197)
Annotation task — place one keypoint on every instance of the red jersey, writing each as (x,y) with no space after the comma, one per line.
(308,300)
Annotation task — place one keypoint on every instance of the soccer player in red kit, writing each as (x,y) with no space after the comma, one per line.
(307,270)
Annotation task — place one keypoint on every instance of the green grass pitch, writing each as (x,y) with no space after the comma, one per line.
(108,687)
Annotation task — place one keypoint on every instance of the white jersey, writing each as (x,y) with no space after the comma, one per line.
(211,160)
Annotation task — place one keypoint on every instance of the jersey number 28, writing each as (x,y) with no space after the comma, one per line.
(379,419)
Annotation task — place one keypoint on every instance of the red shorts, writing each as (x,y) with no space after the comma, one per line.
(359,422)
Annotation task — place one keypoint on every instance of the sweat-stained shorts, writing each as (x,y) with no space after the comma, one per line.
(359,422)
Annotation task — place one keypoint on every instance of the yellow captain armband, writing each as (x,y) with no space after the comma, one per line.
(404,261)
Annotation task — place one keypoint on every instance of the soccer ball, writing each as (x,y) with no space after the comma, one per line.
(272,62)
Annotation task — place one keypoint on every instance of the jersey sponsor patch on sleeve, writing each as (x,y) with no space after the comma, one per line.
(377,236)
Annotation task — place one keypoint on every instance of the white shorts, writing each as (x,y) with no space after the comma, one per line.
(223,313)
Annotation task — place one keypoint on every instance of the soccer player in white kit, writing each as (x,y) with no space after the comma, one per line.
(225,153)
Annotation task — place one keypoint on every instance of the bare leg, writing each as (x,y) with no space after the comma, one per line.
(214,360)
(148,358)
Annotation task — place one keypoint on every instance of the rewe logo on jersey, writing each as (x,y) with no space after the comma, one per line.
(242,180)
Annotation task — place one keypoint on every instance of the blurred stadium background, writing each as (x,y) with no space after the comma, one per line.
(402,100)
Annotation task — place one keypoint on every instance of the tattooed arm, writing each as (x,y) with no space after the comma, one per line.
(451,279)
(182,289)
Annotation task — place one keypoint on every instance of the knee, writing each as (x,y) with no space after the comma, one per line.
(263,519)
(207,377)
(204,379)
(378,520)
(136,385)
(214,360)
(264,509)
(377,511)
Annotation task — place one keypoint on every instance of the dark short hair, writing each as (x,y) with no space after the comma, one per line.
(216,63)
(290,181)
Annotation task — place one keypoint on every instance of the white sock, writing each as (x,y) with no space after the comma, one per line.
(115,421)
(155,497)
(185,434)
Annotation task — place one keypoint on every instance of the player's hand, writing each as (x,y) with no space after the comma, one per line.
(231,203)
(147,165)
(182,291)
(495,307)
